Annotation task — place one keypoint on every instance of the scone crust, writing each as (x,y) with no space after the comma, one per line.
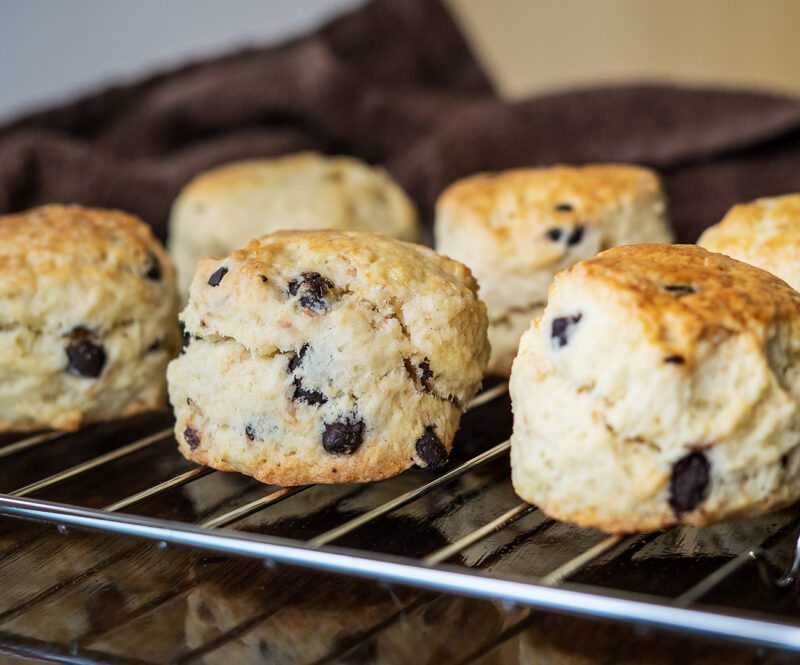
(224,208)
(764,233)
(516,229)
(396,340)
(649,360)
(100,274)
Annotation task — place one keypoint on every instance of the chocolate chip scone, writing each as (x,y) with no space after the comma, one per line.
(223,209)
(88,317)
(764,233)
(661,386)
(323,356)
(516,229)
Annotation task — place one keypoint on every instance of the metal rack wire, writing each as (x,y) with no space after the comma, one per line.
(549,591)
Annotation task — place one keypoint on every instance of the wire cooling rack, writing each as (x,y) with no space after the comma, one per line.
(732,599)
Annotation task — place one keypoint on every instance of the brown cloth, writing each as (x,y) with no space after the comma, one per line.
(393,83)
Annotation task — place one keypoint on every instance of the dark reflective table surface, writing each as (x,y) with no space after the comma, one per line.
(73,596)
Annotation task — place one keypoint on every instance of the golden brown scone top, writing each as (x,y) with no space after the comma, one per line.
(764,232)
(545,195)
(307,177)
(54,238)
(684,294)
(373,270)
(249,173)
(357,260)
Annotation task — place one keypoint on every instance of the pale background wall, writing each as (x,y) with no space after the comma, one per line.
(532,45)
(54,49)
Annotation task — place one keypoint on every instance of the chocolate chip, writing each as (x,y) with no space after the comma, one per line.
(430,449)
(216,277)
(784,461)
(564,207)
(675,359)
(295,360)
(153,271)
(687,486)
(154,346)
(680,290)
(264,278)
(426,374)
(250,432)
(312,397)
(344,436)
(561,327)
(314,288)
(84,355)
(555,234)
(576,236)
(192,438)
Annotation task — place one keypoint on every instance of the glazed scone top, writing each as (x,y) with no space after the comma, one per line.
(343,275)
(764,232)
(681,295)
(523,205)
(303,190)
(49,251)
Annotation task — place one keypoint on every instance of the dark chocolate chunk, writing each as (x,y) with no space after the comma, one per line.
(785,461)
(420,374)
(216,277)
(250,431)
(344,436)
(264,278)
(576,236)
(561,327)
(430,449)
(85,356)
(313,288)
(312,397)
(687,486)
(564,207)
(675,359)
(555,234)
(680,290)
(153,268)
(185,336)
(192,437)
(426,374)
(295,360)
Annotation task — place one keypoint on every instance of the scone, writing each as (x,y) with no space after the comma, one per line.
(88,317)
(223,209)
(324,356)
(764,233)
(661,386)
(516,229)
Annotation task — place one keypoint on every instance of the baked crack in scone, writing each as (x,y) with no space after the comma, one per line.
(764,233)
(88,317)
(226,207)
(661,386)
(321,357)
(516,229)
